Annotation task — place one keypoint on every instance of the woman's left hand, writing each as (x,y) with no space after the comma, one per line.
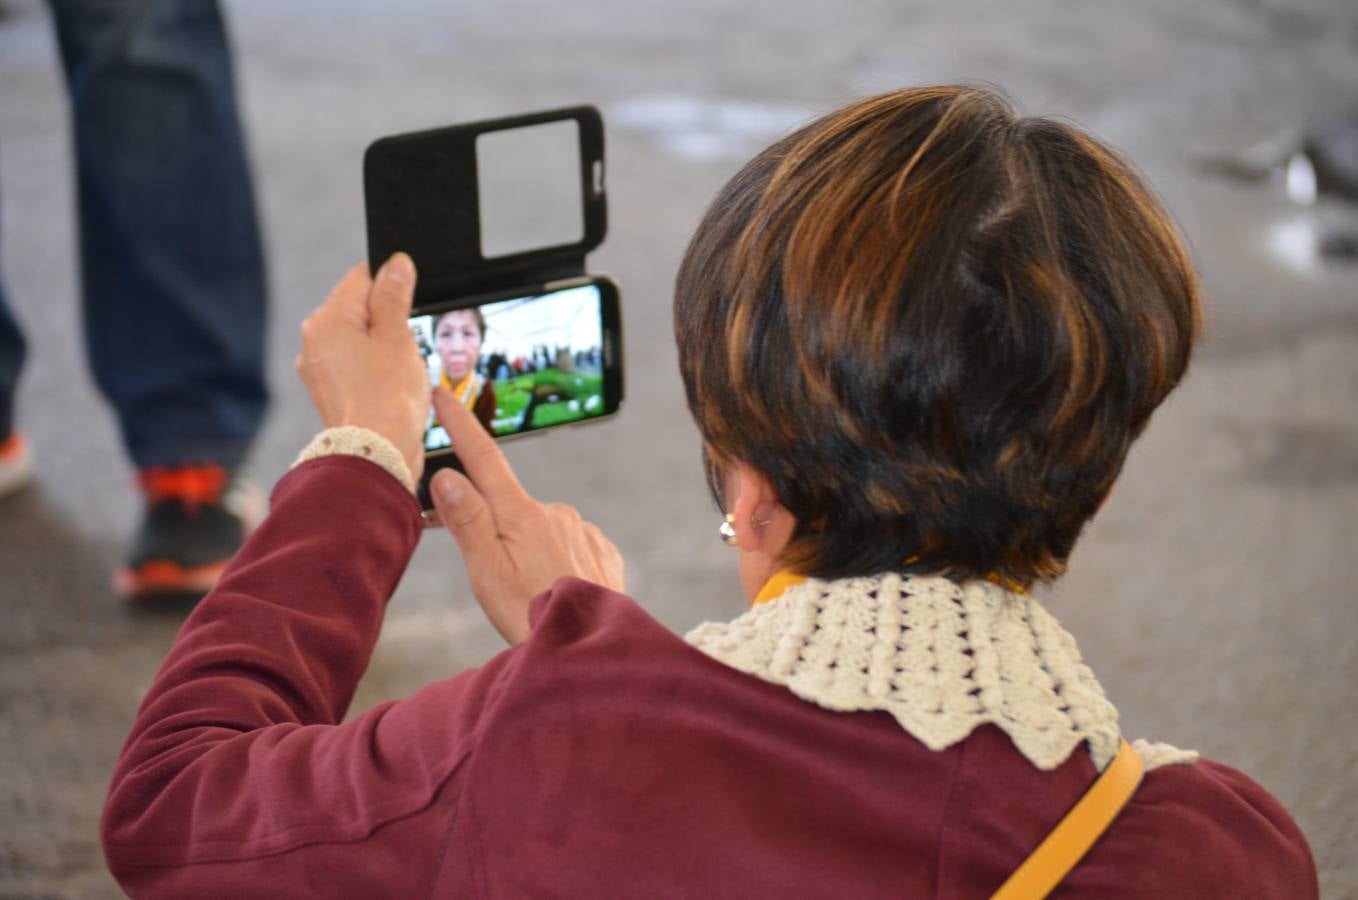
(360,363)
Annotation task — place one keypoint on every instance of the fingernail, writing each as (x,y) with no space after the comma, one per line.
(447,487)
(399,268)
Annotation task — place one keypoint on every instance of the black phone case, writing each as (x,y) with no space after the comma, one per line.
(420,193)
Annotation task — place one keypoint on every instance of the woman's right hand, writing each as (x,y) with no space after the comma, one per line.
(513,546)
(360,363)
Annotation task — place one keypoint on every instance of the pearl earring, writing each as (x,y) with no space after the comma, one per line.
(727,530)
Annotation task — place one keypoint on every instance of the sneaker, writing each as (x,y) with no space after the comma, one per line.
(196,519)
(16,465)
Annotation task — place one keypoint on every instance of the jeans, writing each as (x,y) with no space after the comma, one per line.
(172,270)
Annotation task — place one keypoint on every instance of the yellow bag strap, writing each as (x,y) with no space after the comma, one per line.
(1071,839)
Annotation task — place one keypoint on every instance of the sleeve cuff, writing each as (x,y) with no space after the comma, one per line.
(350,440)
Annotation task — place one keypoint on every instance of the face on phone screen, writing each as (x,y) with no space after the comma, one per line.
(523,363)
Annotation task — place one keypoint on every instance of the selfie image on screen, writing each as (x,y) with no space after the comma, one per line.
(518,364)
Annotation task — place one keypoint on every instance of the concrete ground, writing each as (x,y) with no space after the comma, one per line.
(1214,596)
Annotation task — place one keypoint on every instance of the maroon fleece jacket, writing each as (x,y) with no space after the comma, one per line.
(604,757)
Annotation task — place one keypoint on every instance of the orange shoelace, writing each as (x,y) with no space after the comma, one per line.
(11,446)
(193,486)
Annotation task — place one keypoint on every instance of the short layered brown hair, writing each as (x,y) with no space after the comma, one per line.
(935,327)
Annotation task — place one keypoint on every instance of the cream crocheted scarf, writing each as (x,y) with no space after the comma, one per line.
(940,657)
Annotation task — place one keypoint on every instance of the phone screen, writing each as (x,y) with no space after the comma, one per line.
(527,362)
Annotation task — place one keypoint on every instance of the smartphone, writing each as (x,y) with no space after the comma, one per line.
(499,217)
(525,361)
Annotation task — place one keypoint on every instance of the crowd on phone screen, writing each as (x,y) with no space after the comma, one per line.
(502,367)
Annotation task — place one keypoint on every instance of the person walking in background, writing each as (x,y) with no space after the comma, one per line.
(172,277)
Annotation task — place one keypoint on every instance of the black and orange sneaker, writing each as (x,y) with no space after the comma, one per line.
(196,519)
(16,467)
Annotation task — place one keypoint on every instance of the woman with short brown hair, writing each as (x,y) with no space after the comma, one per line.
(918,337)
(953,319)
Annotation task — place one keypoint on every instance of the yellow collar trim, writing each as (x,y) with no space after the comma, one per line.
(777,585)
(466,390)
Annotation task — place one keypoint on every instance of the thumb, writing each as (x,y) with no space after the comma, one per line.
(393,293)
(467,516)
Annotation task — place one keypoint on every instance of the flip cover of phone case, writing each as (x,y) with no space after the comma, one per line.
(421,193)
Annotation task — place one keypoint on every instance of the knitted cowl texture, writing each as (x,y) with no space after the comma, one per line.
(942,658)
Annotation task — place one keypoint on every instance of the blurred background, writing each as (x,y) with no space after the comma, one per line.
(1214,595)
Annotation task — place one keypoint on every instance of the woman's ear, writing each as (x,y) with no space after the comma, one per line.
(763,526)
(756,511)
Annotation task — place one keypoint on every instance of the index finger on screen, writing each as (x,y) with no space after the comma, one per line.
(486,466)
